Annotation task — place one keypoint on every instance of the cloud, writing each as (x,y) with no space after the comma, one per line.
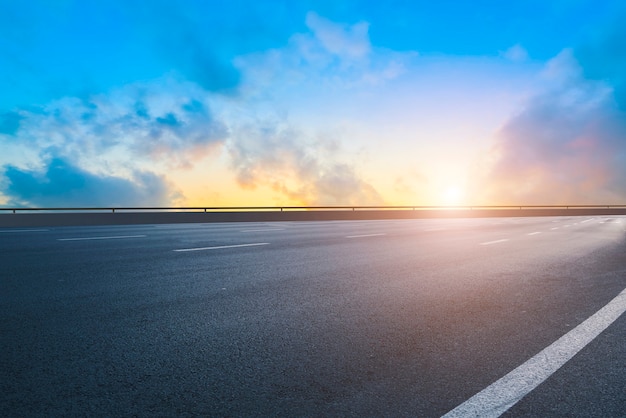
(199,60)
(339,184)
(165,121)
(172,122)
(516,53)
(567,146)
(63,184)
(332,61)
(350,41)
(330,55)
(154,127)
(300,168)
(200,40)
(49,50)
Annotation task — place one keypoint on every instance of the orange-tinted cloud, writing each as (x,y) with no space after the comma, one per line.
(567,146)
(304,171)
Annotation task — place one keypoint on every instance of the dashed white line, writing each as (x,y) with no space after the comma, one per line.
(365,235)
(501,395)
(262,230)
(494,242)
(587,220)
(221,246)
(534,233)
(554,228)
(94,238)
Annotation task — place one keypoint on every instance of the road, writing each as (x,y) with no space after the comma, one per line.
(347,318)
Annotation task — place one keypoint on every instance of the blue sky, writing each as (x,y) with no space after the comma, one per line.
(311,102)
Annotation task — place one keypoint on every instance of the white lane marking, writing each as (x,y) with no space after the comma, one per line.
(92,238)
(554,228)
(567,226)
(262,230)
(365,235)
(587,220)
(494,242)
(534,233)
(221,246)
(23,230)
(501,395)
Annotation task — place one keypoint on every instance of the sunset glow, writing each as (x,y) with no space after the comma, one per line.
(453,196)
(312,103)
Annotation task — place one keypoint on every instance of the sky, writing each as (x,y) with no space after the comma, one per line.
(289,102)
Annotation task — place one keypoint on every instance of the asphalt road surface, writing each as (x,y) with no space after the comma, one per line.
(315,319)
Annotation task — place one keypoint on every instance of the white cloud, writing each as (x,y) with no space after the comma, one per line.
(330,56)
(140,123)
(516,53)
(347,41)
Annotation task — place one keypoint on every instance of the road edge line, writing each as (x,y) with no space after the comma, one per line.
(501,395)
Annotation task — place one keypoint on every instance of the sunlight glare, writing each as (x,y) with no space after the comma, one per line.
(453,196)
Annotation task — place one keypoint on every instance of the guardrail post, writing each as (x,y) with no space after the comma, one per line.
(13,210)
(281,209)
(112,210)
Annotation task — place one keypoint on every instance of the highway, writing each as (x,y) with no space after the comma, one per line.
(387,318)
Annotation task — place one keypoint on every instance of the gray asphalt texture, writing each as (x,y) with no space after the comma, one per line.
(312,324)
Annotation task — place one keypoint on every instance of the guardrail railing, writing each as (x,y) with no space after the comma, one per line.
(292,208)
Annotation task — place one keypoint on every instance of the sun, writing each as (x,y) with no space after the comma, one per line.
(453,196)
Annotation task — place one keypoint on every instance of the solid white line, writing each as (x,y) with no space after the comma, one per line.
(91,238)
(221,246)
(498,397)
(23,230)
(534,233)
(363,236)
(262,230)
(494,242)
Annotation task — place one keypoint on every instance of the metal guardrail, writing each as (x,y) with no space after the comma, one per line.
(208,209)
